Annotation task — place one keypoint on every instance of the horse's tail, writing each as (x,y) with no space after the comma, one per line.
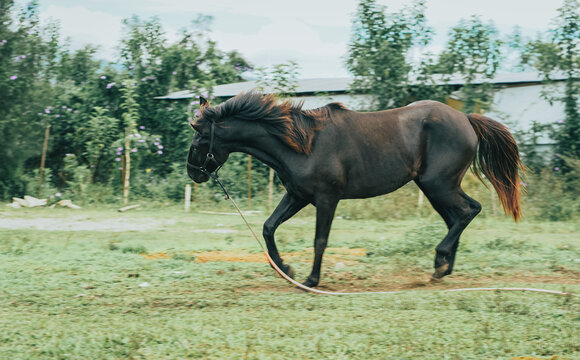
(499,160)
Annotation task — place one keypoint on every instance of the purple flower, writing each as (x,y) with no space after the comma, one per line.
(119,149)
(156,143)
(13,77)
(556,168)
(110,85)
(134,150)
(118,159)
(58,194)
(69,109)
(131,66)
(160,152)
(174,73)
(47,110)
(103,77)
(160,146)
(141,140)
(560,121)
(142,127)
(57,115)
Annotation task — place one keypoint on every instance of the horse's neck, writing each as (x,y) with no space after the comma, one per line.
(269,150)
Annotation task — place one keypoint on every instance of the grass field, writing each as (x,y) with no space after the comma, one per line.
(164,284)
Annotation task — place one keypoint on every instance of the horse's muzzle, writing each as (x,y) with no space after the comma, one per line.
(197,175)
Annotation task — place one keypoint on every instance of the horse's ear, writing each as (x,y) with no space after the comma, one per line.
(203,102)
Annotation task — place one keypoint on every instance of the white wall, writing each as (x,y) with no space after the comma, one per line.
(519,106)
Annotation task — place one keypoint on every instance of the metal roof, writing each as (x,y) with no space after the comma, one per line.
(341,84)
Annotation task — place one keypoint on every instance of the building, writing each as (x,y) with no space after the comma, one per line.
(518,101)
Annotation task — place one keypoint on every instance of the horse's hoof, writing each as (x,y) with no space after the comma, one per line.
(290,272)
(435,280)
(440,272)
(309,283)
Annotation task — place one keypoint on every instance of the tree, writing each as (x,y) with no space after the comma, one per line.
(378,50)
(26,72)
(280,79)
(474,52)
(560,54)
(130,120)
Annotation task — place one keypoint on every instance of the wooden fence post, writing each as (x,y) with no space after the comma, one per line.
(249,181)
(187,197)
(270,189)
(43,158)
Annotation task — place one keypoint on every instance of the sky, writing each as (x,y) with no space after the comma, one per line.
(314,33)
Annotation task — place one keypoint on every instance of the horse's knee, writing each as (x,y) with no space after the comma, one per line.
(268,230)
(475,208)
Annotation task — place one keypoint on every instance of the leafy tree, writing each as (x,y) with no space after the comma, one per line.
(472,51)
(378,50)
(280,79)
(101,132)
(26,71)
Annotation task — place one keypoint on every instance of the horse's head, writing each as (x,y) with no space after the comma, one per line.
(206,154)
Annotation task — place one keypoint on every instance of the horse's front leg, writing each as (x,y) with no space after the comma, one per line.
(289,206)
(324,215)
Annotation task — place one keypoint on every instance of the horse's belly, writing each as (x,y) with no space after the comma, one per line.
(374,186)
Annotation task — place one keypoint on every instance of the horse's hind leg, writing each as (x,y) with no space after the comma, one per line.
(457,209)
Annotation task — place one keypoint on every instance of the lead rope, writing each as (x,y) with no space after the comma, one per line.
(316,291)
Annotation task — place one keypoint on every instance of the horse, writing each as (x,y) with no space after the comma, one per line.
(332,153)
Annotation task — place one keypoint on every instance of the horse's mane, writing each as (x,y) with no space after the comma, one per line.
(286,119)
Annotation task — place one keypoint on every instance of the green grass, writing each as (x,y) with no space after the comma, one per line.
(72,294)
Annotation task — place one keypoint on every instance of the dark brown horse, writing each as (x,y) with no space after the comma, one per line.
(333,153)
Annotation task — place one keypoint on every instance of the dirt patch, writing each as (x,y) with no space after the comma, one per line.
(333,256)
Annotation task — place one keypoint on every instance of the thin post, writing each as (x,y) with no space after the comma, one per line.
(43,158)
(187,197)
(493,201)
(249,181)
(270,189)
(127,170)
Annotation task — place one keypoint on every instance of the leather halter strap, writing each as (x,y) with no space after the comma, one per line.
(209,157)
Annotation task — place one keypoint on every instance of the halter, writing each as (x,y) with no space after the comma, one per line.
(209,158)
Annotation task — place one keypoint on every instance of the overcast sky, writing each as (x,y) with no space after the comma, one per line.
(315,33)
